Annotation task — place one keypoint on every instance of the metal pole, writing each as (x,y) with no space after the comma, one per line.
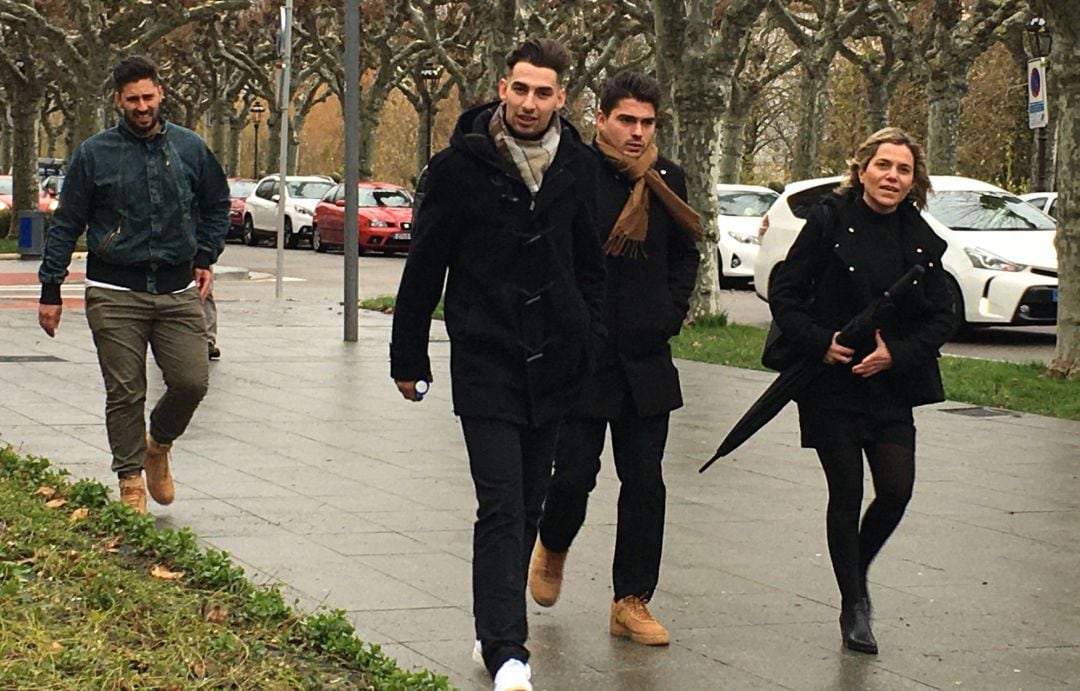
(352,168)
(1040,179)
(427,99)
(255,163)
(283,161)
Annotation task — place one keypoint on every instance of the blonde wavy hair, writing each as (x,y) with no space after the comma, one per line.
(890,135)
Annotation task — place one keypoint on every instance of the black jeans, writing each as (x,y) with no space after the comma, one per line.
(511,468)
(638,446)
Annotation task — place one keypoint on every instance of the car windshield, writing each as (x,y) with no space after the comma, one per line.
(986,210)
(310,189)
(5,185)
(384,197)
(241,188)
(745,203)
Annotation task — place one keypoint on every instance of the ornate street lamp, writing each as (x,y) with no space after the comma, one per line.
(1041,39)
(257,109)
(429,75)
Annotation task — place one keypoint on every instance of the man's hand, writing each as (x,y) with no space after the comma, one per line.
(204,281)
(877,361)
(408,390)
(837,354)
(48,317)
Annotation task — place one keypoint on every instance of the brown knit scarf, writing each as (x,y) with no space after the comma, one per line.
(628,235)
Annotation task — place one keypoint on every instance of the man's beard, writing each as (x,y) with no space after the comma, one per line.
(140,130)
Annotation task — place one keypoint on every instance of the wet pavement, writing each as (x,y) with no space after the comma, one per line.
(304,463)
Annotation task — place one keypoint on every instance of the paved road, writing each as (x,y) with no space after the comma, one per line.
(322,274)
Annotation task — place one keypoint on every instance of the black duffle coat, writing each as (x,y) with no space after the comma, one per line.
(646,300)
(524,277)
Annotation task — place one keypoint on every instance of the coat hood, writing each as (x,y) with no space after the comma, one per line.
(471,136)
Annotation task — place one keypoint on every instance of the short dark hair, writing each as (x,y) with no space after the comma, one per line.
(134,68)
(540,52)
(627,84)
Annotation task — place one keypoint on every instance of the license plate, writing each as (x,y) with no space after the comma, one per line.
(1053,295)
(406,236)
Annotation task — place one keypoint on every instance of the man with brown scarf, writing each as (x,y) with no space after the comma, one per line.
(649,235)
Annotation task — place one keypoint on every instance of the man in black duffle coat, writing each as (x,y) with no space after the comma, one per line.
(507,217)
(652,264)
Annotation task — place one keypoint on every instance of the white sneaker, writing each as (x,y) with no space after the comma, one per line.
(514,675)
(478,653)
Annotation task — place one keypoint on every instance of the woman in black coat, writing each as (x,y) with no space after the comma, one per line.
(855,244)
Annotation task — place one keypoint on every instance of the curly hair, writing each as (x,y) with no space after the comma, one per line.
(920,188)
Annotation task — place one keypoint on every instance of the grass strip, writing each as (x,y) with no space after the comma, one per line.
(80,608)
(1011,386)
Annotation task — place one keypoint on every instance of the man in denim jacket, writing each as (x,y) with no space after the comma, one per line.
(154,203)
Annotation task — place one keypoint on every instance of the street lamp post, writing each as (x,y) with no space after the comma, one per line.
(257,109)
(429,76)
(1041,43)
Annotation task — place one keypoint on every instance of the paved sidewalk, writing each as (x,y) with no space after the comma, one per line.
(304,464)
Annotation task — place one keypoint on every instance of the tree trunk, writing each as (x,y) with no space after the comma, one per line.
(85,120)
(219,131)
(25,111)
(813,102)
(5,141)
(733,130)
(232,163)
(877,96)
(943,122)
(1064,19)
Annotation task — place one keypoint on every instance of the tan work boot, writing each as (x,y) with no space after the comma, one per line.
(545,574)
(630,618)
(133,492)
(158,478)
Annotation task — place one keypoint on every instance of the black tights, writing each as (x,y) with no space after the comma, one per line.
(852,548)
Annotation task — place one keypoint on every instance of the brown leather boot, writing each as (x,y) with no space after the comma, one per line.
(158,478)
(133,492)
(630,618)
(545,574)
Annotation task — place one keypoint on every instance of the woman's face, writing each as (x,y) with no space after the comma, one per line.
(888,177)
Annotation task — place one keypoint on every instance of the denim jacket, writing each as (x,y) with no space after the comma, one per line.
(152,209)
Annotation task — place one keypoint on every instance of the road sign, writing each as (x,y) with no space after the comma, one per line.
(1036,84)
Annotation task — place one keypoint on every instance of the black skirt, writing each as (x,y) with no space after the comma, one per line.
(823,427)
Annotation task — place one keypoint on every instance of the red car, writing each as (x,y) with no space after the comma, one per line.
(385,219)
(239,189)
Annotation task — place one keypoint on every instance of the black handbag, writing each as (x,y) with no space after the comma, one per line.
(779,353)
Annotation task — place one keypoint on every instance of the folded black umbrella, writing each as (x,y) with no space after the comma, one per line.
(794,379)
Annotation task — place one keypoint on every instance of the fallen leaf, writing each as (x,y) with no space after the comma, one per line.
(198,669)
(217,614)
(112,546)
(56,647)
(164,574)
(55,503)
(45,491)
(3,527)
(78,514)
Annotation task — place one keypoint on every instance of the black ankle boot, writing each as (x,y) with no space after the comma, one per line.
(855,628)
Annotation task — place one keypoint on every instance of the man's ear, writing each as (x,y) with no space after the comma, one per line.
(503,86)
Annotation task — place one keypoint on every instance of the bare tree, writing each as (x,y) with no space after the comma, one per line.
(1063,17)
(24,86)
(884,53)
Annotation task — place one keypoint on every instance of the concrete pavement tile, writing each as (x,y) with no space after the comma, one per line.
(371,543)
(454,660)
(448,577)
(1060,665)
(432,624)
(406,521)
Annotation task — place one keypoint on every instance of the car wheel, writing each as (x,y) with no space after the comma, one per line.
(316,241)
(290,237)
(248,233)
(961,328)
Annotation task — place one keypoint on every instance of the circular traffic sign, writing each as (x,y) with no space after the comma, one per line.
(1036,82)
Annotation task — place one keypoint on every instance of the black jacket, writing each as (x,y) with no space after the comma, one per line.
(524,278)
(645,302)
(823,283)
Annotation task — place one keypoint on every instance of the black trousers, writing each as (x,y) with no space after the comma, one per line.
(511,468)
(638,446)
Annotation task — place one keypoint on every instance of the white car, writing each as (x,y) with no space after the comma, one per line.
(740,209)
(1000,252)
(302,193)
(1047,201)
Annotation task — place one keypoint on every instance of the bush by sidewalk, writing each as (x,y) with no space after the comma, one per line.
(93,595)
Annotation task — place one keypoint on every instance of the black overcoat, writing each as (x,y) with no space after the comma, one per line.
(823,283)
(524,277)
(645,302)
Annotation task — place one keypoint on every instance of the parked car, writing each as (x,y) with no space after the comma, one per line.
(740,211)
(385,218)
(1047,201)
(302,193)
(1000,255)
(239,190)
(7,197)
